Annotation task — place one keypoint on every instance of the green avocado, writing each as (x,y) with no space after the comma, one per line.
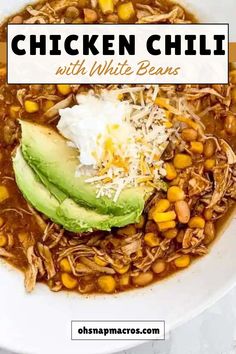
(32,189)
(49,153)
(60,209)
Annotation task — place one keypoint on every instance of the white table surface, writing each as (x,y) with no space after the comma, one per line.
(212,332)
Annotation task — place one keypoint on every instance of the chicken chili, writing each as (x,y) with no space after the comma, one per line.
(185,166)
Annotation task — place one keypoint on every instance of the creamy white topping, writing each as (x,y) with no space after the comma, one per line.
(120,143)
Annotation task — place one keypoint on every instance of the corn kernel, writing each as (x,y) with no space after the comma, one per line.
(64,89)
(161,206)
(189,122)
(209,164)
(163,226)
(196,147)
(4,194)
(31,106)
(171,233)
(99,261)
(127,231)
(162,102)
(151,239)
(14,111)
(126,11)
(122,270)
(168,115)
(120,96)
(196,222)
(170,171)
(175,194)
(168,124)
(125,280)
(182,261)
(140,224)
(167,216)
(106,6)
(3,240)
(65,265)
(47,105)
(107,283)
(182,161)
(208,214)
(68,281)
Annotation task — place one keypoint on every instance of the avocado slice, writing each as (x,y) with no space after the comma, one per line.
(49,153)
(60,209)
(32,189)
(59,195)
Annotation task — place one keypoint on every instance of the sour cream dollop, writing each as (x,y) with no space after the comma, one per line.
(88,124)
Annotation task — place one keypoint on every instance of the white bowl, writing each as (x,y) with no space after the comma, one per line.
(40,322)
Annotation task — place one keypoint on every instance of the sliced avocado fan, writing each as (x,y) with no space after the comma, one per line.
(49,200)
(48,153)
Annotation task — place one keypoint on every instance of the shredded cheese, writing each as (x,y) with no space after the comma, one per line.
(121,136)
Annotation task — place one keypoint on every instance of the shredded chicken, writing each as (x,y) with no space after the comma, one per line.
(171,17)
(5,254)
(53,111)
(47,260)
(35,267)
